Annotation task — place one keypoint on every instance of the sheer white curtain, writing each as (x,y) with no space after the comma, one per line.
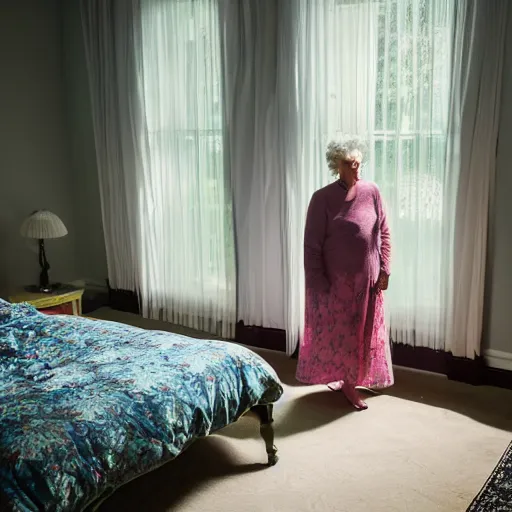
(249,38)
(183,258)
(111,42)
(189,112)
(481,89)
(382,69)
(188,265)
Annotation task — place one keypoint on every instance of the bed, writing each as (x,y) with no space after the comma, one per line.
(86,406)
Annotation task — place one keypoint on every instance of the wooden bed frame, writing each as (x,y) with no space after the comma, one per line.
(264,413)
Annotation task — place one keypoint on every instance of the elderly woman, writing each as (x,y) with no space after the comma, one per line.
(347,265)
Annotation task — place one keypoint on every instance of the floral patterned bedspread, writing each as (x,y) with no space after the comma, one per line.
(86,406)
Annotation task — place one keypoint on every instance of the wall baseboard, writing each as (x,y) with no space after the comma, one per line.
(123,300)
(498,359)
(261,337)
(494,369)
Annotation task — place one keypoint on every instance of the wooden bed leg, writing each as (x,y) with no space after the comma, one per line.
(264,413)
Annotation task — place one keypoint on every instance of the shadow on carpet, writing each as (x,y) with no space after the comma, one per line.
(300,414)
(168,487)
(496,495)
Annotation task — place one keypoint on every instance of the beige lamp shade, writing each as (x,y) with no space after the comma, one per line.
(43,225)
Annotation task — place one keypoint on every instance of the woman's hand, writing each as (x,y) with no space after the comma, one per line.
(382,281)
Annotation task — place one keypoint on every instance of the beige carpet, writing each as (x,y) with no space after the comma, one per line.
(427,444)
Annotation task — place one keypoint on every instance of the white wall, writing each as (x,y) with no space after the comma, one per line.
(498,320)
(34,143)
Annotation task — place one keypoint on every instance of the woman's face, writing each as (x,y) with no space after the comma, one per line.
(349,169)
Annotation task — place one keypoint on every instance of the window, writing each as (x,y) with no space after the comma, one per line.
(382,69)
(192,269)
(411,111)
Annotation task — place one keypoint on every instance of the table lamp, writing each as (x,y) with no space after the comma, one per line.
(42,225)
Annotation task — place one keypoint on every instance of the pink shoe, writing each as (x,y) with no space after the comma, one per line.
(353,397)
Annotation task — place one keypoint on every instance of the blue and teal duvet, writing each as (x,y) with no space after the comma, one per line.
(86,406)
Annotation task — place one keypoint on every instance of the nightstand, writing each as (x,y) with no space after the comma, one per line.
(66,300)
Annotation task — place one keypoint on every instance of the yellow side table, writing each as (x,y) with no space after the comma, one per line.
(63,301)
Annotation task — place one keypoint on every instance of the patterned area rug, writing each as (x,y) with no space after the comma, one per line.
(496,495)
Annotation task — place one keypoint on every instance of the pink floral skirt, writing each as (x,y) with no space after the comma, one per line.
(345,336)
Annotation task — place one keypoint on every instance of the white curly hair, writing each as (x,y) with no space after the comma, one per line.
(348,146)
